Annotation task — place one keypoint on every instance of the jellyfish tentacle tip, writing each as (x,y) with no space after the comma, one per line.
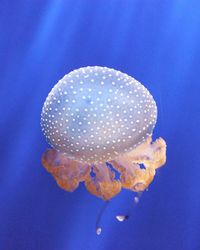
(136,199)
(98,230)
(121,218)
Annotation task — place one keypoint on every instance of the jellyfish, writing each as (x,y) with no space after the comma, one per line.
(99,123)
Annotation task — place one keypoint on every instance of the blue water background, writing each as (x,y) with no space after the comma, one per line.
(157,42)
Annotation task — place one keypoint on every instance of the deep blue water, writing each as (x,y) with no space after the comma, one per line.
(155,41)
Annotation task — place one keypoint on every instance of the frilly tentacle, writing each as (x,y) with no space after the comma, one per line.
(136,168)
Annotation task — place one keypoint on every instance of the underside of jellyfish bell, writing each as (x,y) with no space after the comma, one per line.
(100,179)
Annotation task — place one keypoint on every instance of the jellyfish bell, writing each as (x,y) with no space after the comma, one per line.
(94,116)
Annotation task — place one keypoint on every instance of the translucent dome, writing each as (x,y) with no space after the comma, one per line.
(94,114)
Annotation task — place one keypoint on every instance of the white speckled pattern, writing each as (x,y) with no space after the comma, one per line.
(93,114)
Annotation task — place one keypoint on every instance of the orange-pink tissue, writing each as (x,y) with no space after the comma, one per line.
(100,179)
